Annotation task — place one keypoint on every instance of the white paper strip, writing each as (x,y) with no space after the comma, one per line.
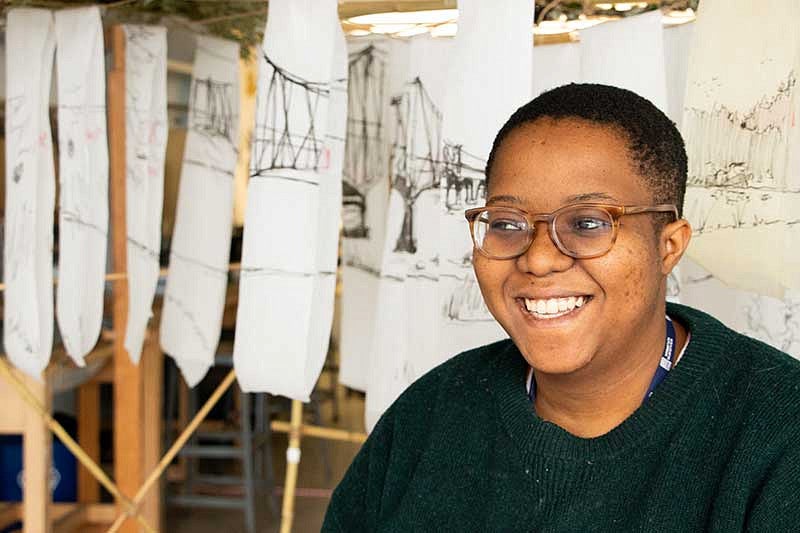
(628,53)
(406,340)
(330,211)
(30,190)
(555,65)
(742,141)
(491,75)
(194,298)
(83,178)
(279,262)
(677,44)
(366,192)
(146,144)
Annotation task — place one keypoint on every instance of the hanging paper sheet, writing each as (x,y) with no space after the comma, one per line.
(83,178)
(30,190)
(279,258)
(145,145)
(406,340)
(490,77)
(743,195)
(628,53)
(555,65)
(372,63)
(194,298)
(677,44)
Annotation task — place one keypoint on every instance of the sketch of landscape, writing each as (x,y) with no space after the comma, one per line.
(330,211)
(289,159)
(742,141)
(83,178)
(30,190)
(365,195)
(405,342)
(194,297)
(146,144)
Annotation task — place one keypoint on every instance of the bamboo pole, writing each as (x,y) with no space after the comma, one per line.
(69,443)
(174,449)
(321,432)
(292,465)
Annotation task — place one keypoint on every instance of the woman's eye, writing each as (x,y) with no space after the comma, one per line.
(505,225)
(589,224)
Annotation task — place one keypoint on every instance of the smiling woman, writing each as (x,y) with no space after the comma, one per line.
(606,402)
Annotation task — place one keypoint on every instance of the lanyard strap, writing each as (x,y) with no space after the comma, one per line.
(664,366)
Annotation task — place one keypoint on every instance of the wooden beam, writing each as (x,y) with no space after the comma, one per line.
(128,401)
(37,456)
(89,439)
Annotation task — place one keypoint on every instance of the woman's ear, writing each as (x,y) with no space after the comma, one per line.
(674,240)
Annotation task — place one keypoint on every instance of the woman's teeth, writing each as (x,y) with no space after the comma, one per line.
(553,307)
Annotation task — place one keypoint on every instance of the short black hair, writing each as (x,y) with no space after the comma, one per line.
(654,142)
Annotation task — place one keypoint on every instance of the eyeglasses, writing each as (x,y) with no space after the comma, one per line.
(581,231)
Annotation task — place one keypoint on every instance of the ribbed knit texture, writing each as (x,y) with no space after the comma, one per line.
(716,448)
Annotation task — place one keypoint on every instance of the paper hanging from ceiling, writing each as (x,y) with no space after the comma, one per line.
(628,53)
(490,77)
(406,341)
(330,213)
(743,194)
(30,190)
(289,158)
(83,178)
(677,45)
(145,145)
(194,297)
(372,63)
(555,65)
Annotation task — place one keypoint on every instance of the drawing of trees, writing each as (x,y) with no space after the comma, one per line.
(415,153)
(365,152)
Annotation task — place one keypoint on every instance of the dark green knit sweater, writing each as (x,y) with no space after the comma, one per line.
(717,448)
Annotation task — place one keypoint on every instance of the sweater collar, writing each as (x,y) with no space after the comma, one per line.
(658,415)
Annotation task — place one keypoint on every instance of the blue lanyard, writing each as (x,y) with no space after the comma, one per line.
(664,366)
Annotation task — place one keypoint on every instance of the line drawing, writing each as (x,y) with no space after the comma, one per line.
(210,108)
(289,100)
(415,154)
(464,178)
(366,150)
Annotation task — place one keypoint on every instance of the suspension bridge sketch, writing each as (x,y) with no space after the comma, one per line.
(742,139)
(194,297)
(30,190)
(146,144)
(290,162)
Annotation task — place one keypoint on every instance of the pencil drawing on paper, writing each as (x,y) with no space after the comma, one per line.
(415,154)
(743,174)
(463,174)
(365,152)
(288,103)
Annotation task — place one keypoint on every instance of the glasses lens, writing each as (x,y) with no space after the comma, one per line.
(585,231)
(501,233)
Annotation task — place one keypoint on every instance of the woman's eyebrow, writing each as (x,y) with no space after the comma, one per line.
(584,197)
(506,198)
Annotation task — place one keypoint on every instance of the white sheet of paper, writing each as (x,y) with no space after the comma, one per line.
(491,73)
(627,53)
(279,258)
(373,79)
(146,145)
(406,340)
(330,211)
(743,194)
(194,297)
(83,177)
(677,45)
(30,190)
(555,65)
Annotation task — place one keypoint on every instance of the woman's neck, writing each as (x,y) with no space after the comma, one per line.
(592,402)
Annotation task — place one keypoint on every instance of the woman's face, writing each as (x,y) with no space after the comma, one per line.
(538,168)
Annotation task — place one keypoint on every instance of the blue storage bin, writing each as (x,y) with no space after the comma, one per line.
(63,473)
